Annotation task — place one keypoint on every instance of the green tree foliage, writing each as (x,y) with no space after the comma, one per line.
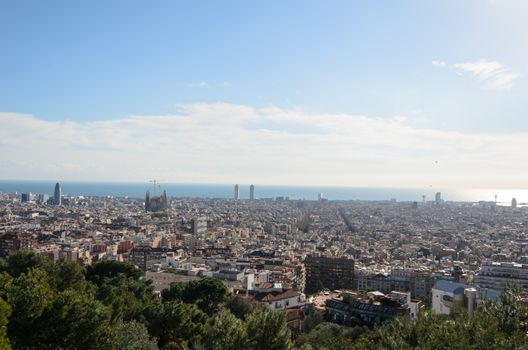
(267,330)
(97,272)
(226,332)
(128,297)
(54,306)
(206,293)
(30,296)
(69,275)
(23,260)
(172,322)
(327,336)
(238,306)
(48,318)
(134,336)
(5,311)
(312,320)
(76,321)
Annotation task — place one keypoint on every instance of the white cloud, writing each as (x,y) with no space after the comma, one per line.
(205,85)
(492,74)
(226,143)
(201,84)
(439,64)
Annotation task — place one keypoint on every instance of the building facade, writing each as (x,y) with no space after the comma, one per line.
(236,194)
(496,275)
(327,272)
(252,192)
(447,295)
(57,196)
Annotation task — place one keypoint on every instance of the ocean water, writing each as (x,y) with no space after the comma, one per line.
(137,190)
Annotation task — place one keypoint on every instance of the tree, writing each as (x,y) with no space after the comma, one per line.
(323,334)
(267,330)
(226,332)
(5,311)
(206,293)
(312,320)
(128,297)
(30,296)
(178,323)
(22,261)
(97,272)
(75,320)
(134,336)
(69,275)
(238,306)
(47,318)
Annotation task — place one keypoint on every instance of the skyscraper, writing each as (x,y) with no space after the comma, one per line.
(57,199)
(237,192)
(252,192)
(438,197)
(26,197)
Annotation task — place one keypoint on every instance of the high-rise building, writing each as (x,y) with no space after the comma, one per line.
(326,272)
(252,192)
(26,197)
(237,192)
(320,196)
(57,198)
(438,197)
(514,203)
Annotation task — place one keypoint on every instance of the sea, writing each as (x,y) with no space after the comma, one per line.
(137,190)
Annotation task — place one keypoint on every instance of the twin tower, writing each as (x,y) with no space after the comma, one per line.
(251,192)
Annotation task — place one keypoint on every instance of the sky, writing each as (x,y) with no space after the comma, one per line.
(345,93)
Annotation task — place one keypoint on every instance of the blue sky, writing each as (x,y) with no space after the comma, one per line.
(447,66)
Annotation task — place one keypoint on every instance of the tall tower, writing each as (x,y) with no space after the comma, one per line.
(237,192)
(147,201)
(164,201)
(438,197)
(252,192)
(514,203)
(57,199)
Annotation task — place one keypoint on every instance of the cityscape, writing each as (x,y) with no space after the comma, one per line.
(263,175)
(356,262)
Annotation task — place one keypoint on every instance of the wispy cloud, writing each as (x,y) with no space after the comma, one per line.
(492,74)
(205,85)
(201,84)
(439,64)
(227,143)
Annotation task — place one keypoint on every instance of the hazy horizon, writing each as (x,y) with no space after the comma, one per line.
(294,192)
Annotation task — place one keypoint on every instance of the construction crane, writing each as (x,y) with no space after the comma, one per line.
(154,182)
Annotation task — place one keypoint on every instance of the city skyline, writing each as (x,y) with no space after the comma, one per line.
(351,94)
(278,175)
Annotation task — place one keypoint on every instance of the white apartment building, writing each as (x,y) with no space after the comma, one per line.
(495,275)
